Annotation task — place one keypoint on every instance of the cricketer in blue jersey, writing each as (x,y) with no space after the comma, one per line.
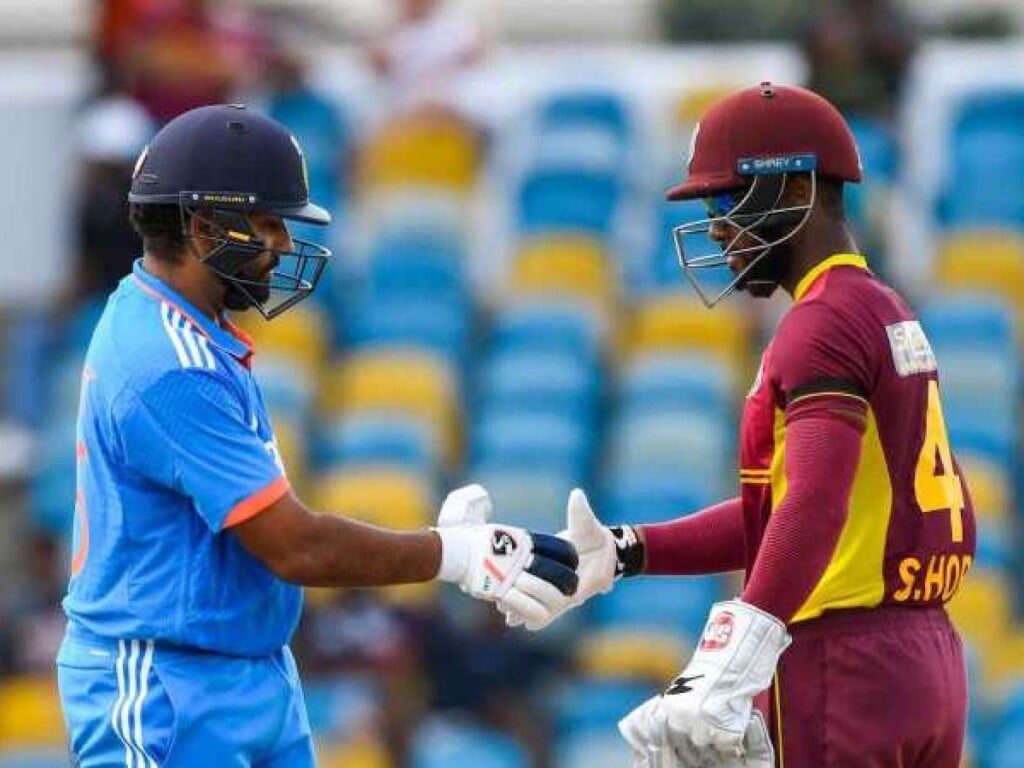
(190,547)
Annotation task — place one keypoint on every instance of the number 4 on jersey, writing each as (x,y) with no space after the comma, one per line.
(936,484)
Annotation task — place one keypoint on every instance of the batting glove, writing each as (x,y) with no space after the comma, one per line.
(487,561)
(605,554)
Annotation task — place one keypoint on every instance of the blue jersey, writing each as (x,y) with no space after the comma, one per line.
(174,447)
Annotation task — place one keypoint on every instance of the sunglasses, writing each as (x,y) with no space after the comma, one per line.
(719,206)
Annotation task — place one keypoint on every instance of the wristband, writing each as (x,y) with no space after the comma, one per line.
(455,548)
(629,551)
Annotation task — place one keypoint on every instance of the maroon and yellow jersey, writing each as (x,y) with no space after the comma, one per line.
(909,534)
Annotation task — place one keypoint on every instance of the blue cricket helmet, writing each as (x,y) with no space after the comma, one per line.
(232,160)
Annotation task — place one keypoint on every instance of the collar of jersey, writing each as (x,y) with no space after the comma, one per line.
(224,335)
(835,260)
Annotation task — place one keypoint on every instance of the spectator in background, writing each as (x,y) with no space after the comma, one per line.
(420,58)
(858,52)
(175,55)
(31,620)
(111,133)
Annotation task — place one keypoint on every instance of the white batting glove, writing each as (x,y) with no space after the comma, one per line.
(487,561)
(602,553)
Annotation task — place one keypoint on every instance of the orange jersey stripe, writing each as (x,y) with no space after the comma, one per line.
(259,501)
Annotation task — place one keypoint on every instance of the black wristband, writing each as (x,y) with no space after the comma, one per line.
(629,551)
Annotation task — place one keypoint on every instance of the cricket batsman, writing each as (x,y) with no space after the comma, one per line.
(853,522)
(190,547)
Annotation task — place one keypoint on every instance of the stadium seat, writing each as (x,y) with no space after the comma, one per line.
(34,758)
(389,496)
(990,261)
(401,381)
(570,325)
(30,714)
(587,108)
(444,743)
(286,387)
(643,495)
(593,748)
(421,150)
(359,753)
(532,497)
(674,321)
(568,199)
(427,323)
(540,381)
(586,705)
(379,438)
(989,485)
(644,656)
(693,441)
(982,611)
(569,264)
(667,380)
(301,335)
(524,438)
(661,604)
(586,147)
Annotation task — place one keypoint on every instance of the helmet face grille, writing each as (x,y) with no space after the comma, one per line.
(757,223)
(294,276)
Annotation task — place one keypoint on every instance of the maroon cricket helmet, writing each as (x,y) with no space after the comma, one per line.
(760,124)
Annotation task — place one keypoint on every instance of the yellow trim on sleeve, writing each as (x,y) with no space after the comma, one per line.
(836,260)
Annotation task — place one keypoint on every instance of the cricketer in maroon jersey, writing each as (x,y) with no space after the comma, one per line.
(853,523)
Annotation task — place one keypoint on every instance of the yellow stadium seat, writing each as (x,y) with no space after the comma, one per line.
(434,150)
(387,496)
(384,496)
(408,382)
(982,610)
(635,655)
(989,487)
(985,260)
(361,752)
(573,264)
(300,335)
(30,714)
(1005,660)
(675,322)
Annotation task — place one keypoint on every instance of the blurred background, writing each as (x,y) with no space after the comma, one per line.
(504,307)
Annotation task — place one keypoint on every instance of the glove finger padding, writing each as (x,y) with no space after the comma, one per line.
(556,548)
(757,747)
(554,573)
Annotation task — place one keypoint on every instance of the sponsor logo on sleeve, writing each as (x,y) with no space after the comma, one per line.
(911,351)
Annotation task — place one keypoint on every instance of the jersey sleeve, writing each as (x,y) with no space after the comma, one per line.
(818,352)
(188,431)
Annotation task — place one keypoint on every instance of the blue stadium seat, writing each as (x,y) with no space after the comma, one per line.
(378,439)
(446,743)
(643,495)
(598,108)
(694,441)
(969,319)
(678,605)
(593,748)
(540,325)
(589,705)
(660,380)
(417,263)
(533,498)
(550,382)
(286,387)
(34,758)
(584,147)
(518,438)
(568,200)
(426,323)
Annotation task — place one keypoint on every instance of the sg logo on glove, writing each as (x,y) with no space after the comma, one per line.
(502,543)
(718,632)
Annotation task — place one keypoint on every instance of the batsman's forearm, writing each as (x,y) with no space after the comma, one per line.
(342,552)
(709,541)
